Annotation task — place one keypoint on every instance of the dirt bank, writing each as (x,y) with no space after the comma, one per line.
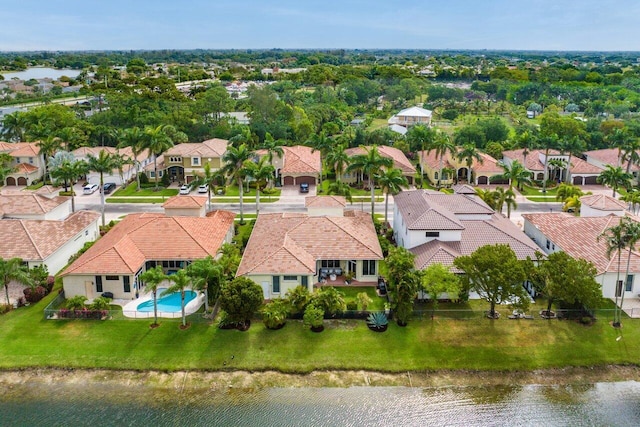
(192,380)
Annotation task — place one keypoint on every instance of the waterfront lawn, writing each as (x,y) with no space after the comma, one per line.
(27,340)
(351,292)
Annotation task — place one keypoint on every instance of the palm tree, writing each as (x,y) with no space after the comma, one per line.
(442,145)
(617,139)
(574,147)
(392,181)
(206,274)
(615,177)
(14,127)
(6,166)
(338,159)
(261,172)
(68,171)
(633,199)
(514,171)
(273,147)
(13,269)
(152,278)
(555,169)
(209,179)
(134,138)
(469,153)
(181,280)
(340,188)
(370,163)
(632,236)
(631,154)
(157,141)
(566,191)
(234,159)
(510,201)
(572,204)
(48,148)
(104,163)
(420,137)
(322,143)
(548,142)
(499,197)
(616,241)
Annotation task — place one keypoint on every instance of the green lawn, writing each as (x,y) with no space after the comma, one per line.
(350,293)
(355,192)
(27,340)
(130,191)
(136,200)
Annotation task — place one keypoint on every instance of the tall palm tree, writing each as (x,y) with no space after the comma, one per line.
(441,145)
(273,147)
(152,278)
(261,172)
(14,127)
(234,159)
(566,191)
(338,159)
(574,147)
(514,171)
(469,153)
(48,147)
(632,236)
(68,171)
(206,275)
(6,166)
(134,138)
(617,139)
(555,169)
(633,199)
(181,280)
(104,163)
(548,142)
(392,182)
(12,269)
(157,141)
(615,177)
(322,143)
(616,242)
(420,137)
(631,153)
(510,201)
(370,163)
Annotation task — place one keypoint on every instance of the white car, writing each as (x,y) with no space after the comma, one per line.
(185,189)
(89,188)
(203,189)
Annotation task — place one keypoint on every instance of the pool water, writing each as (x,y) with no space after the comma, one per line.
(169,303)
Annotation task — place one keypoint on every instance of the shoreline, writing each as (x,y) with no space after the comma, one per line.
(222,380)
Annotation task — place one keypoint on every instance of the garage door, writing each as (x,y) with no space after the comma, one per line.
(11,181)
(288,180)
(483,180)
(306,179)
(22,180)
(577,180)
(591,180)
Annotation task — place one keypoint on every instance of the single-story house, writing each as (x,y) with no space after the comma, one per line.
(286,250)
(140,242)
(298,164)
(411,116)
(33,205)
(400,161)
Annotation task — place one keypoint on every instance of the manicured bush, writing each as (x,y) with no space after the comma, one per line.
(313,316)
(298,299)
(352,305)
(241,298)
(274,314)
(5,308)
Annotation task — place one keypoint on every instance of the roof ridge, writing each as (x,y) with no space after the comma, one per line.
(334,221)
(30,238)
(195,237)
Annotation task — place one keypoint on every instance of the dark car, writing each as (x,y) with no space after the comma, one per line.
(304,187)
(109,187)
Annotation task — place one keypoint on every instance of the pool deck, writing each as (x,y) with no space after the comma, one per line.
(130,308)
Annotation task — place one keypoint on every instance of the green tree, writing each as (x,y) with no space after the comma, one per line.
(631,237)
(298,298)
(436,280)
(48,147)
(209,179)
(275,313)
(6,166)
(404,282)
(514,171)
(340,188)
(152,278)
(272,147)
(240,299)
(391,181)
(614,177)
(420,137)
(13,270)
(207,275)
(494,273)
(616,241)
(14,127)
(323,144)
(370,163)
(69,170)
(329,299)
(181,280)
(510,201)
(134,138)
(103,163)
(441,145)
(261,172)
(234,167)
(574,147)
(338,159)
(157,141)
(469,153)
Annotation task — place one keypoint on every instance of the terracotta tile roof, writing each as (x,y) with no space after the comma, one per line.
(25,168)
(476,233)
(430,159)
(578,237)
(34,240)
(48,190)
(609,156)
(603,202)
(533,162)
(579,166)
(464,189)
(284,243)
(185,202)
(400,161)
(488,165)
(210,148)
(25,149)
(433,210)
(147,236)
(325,201)
(28,203)
(300,159)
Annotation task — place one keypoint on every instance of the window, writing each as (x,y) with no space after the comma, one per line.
(175,159)
(30,160)
(127,283)
(619,288)
(330,263)
(86,232)
(112,277)
(432,234)
(275,286)
(351,266)
(99,284)
(629,285)
(165,264)
(435,175)
(369,267)
(548,244)
(152,174)
(195,161)
(294,278)
(305,281)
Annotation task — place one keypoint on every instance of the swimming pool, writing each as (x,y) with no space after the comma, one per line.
(169,303)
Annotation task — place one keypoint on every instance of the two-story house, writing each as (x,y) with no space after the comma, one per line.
(185,162)
(119,176)
(27,164)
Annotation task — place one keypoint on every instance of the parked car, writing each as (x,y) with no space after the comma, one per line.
(109,187)
(203,189)
(89,188)
(185,189)
(304,187)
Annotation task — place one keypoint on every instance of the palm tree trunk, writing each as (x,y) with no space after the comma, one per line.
(546,170)
(155,308)
(440,173)
(206,298)
(137,174)
(568,178)
(6,290)
(209,198)
(241,189)
(624,284)
(372,197)
(73,201)
(184,318)
(386,208)
(155,171)
(101,189)
(616,322)
(257,199)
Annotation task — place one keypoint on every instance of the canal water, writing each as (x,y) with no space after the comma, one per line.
(40,73)
(600,404)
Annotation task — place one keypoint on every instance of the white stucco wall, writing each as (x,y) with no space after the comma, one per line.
(587,211)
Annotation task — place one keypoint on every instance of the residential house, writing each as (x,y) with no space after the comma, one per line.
(185,162)
(411,116)
(580,238)
(140,242)
(185,206)
(454,170)
(601,205)
(580,171)
(40,230)
(438,227)
(611,157)
(286,250)
(298,164)
(117,176)
(400,161)
(28,163)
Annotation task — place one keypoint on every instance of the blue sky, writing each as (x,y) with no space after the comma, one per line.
(449,24)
